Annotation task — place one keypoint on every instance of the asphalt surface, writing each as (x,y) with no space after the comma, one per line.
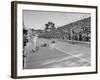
(57,55)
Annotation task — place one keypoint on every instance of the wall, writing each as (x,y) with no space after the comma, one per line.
(5,41)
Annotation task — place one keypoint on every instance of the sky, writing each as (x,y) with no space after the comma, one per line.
(38,19)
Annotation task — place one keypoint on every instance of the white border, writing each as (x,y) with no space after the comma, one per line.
(21,72)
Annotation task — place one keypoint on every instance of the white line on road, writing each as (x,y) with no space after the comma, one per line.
(77,56)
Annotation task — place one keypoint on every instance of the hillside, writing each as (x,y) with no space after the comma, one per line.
(78,30)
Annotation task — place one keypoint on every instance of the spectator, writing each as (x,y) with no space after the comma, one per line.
(35,37)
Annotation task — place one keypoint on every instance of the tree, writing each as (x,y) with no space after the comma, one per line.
(49,26)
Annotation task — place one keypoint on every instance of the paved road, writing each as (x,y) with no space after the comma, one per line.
(60,54)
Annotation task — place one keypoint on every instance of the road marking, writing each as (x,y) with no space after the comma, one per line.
(77,56)
(57,60)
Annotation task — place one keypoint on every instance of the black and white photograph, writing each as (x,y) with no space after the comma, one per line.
(56,39)
(53,39)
